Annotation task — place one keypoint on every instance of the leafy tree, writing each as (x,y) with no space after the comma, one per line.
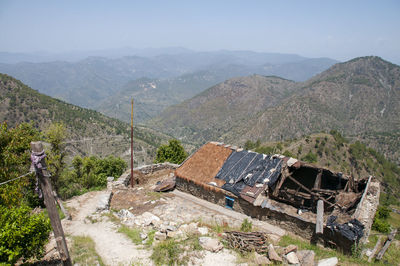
(22,234)
(55,135)
(173,152)
(15,161)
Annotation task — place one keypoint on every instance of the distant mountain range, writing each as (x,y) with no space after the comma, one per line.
(91,81)
(360,98)
(89,132)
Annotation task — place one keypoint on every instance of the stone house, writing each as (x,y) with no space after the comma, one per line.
(284,192)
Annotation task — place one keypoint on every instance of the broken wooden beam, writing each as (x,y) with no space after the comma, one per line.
(58,200)
(378,243)
(319,228)
(388,241)
(309,191)
(317,183)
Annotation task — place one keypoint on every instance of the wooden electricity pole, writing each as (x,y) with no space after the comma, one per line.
(43,176)
(131,143)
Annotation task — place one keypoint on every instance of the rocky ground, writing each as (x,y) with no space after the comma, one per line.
(171,222)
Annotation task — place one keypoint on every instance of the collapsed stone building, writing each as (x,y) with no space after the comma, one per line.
(283,191)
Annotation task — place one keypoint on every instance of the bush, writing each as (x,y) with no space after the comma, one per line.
(173,153)
(380,220)
(381,225)
(89,173)
(288,154)
(310,157)
(246,226)
(166,253)
(383,212)
(22,234)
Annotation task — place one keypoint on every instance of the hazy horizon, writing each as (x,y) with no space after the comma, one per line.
(339,30)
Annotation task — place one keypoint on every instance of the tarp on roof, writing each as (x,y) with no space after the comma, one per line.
(246,168)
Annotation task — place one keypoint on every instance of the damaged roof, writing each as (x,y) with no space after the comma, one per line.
(246,174)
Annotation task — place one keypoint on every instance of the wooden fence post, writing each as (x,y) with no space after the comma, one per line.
(43,176)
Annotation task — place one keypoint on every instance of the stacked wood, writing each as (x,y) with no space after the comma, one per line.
(247,242)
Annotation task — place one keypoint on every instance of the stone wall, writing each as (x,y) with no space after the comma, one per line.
(145,169)
(367,207)
(293,224)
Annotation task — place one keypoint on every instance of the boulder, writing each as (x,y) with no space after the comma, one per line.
(192,228)
(160,236)
(261,260)
(306,257)
(202,230)
(125,214)
(148,218)
(104,202)
(289,249)
(210,244)
(273,255)
(143,236)
(292,258)
(328,262)
(171,234)
(274,238)
(171,228)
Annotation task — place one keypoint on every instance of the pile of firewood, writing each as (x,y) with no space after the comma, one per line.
(245,242)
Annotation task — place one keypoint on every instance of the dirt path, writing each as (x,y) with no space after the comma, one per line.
(113,247)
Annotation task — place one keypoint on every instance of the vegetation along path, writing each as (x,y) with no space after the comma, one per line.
(113,247)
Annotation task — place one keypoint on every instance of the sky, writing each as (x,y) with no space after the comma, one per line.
(340,29)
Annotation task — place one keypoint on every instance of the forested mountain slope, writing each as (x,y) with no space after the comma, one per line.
(360,98)
(89,132)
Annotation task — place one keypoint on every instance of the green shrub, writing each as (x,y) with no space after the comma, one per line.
(22,234)
(310,157)
(246,226)
(288,153)
(173,153)
(383,212)
(381,225)
(166,253)
(89,173)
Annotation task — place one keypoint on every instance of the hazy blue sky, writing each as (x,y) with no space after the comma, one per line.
(337,29)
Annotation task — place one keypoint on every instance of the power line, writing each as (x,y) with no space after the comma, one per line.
(8,181)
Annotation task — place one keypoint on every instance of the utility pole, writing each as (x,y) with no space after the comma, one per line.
(131,143)
(43,175)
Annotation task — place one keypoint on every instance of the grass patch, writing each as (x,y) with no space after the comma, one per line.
(245,257)
(150,238)
(246,226)
(166,253)
(112,217)
(391,256)
(132,233)
(170,252)
(154,195)
(83,251)
(394,220)
(91,219)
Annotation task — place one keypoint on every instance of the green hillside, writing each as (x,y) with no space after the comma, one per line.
(360,98)
(89,132)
